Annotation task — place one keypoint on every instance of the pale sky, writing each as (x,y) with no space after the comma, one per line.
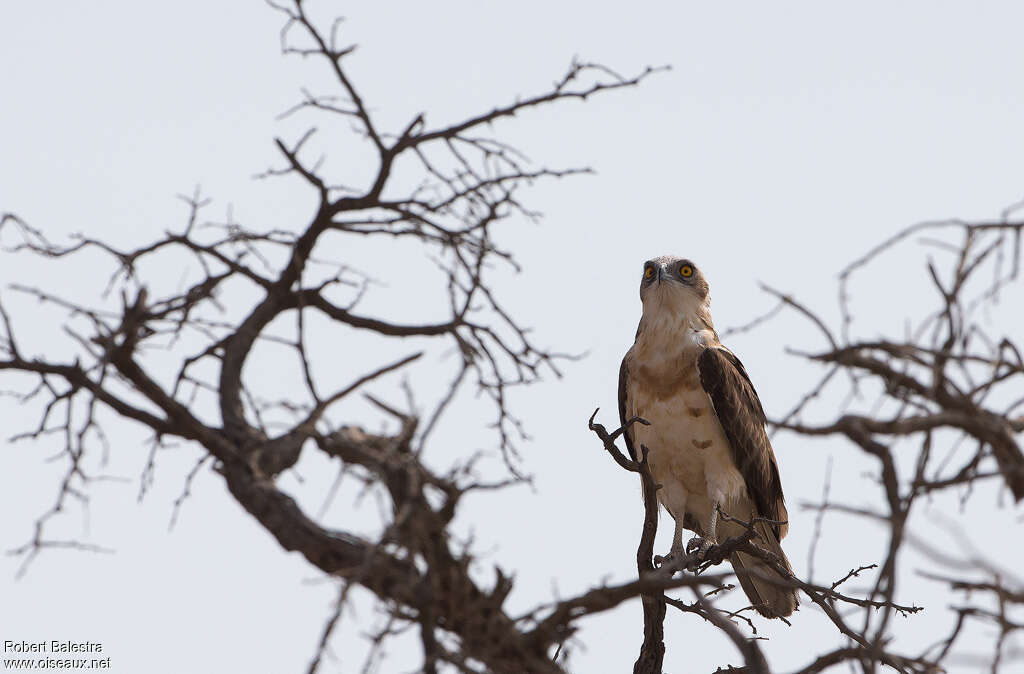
(787,139)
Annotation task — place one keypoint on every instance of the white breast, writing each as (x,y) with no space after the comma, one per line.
(687,448)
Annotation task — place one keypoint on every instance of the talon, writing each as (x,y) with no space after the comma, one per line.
(700,546)
(673,555)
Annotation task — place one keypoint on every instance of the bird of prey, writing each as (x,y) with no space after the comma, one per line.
(706,441)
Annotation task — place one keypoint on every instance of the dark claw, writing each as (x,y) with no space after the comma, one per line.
(699,546)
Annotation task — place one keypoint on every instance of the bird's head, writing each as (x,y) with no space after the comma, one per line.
(674,284)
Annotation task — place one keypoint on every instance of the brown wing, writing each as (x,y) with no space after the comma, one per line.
(623,378)
(739,411)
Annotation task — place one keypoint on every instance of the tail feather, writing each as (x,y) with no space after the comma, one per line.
(769,599)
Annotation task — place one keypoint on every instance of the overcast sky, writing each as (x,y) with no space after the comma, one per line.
(786,139)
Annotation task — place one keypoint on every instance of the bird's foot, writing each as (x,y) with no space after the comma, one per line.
(675,554)
(699,545)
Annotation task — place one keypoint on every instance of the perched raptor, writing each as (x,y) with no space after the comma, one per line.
(706,442)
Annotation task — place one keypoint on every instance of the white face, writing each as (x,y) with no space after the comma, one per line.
(674,296)
(672,277)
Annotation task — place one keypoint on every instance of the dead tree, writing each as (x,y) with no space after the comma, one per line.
(465,183)
(947,395)
(444,188)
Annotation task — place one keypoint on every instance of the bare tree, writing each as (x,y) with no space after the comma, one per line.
(443,188)
(464,182)
(946,395)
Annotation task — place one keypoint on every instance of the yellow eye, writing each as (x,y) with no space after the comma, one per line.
(686,271)
(649,272)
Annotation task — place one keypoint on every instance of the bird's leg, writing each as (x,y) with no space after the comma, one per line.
(677,551)
(713,524)
(677,540)
(702,544)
